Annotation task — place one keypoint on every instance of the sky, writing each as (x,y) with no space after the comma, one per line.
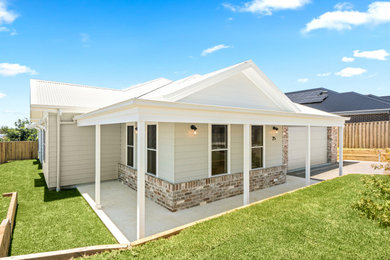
(299,44)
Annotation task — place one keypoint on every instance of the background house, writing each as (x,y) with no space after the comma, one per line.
(359,107)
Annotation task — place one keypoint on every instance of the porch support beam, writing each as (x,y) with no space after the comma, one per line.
(97,166)
(341,143)
(246,164)
(308,144)
(141,152)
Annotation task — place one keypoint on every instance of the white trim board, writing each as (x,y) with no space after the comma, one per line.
(106,220)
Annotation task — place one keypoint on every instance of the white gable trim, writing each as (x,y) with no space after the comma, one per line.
(254,74)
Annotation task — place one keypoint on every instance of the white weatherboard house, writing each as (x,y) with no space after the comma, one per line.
(182,143)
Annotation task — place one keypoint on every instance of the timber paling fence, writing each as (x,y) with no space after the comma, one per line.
(367,135)
(18,150)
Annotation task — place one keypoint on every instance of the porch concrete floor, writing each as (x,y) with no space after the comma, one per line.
(119,202)
(330,171)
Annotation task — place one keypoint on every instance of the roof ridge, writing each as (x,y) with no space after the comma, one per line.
(73,84)
(144,83)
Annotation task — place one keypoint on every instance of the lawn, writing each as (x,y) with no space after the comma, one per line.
(313,223)
(47,220)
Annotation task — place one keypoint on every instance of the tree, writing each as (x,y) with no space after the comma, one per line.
(20,132)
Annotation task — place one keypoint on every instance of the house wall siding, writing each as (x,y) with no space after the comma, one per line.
(236,146)
(191,152)
(273,146)
(166,151)
(77,152)
(52,150)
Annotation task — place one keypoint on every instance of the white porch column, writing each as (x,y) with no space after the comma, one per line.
(246,163)
(97,166)
(341,143)
(141,152)
(307,171)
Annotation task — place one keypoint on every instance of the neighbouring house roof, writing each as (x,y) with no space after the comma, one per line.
(335,102)
(241,88)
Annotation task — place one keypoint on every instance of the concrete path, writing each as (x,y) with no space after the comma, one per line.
(327,172)
(119,204)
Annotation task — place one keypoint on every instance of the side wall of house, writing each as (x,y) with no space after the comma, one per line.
(45,164)
(77,152)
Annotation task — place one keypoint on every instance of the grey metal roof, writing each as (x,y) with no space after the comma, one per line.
(308,97)
(333,101)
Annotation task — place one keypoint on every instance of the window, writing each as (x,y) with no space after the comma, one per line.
(219,149)
(152,149)
(257,146)
(130,146)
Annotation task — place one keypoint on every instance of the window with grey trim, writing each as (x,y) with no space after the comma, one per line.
(151,149)
(257,146)
(130,145)
(219,149)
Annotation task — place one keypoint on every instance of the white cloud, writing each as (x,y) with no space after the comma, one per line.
(84,37)
(376,55)
(350,72)
(6,16)
(8,69)
(266,7)
(377,13)
(343,6)
(214,49)
(326,74)
(2,95)
(303,80)
(230,7)
(347,59)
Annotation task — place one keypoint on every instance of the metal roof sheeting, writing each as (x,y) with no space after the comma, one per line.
(59,94)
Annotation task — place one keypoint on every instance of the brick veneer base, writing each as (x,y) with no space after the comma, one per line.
(176,196)
(332,144)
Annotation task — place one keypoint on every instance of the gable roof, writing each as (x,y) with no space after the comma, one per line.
(178,90)
(332,101)
(60,95)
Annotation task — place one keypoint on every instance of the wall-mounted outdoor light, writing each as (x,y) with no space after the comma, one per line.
(275,129)
(136,130)
(194,128)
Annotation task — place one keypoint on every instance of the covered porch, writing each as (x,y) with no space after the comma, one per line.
(142,113)
(120,204)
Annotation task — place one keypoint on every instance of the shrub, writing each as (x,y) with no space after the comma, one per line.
(375,203)
(385,159)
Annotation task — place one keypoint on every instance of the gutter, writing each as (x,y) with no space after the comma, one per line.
(362,112)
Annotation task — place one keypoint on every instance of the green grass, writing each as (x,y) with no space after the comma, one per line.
(314,223)
(47,220)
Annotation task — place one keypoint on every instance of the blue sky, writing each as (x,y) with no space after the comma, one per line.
(299,44)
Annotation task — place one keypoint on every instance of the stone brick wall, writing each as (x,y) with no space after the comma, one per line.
(198,192)
(332,144)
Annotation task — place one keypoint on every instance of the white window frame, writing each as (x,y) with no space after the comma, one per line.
(211,150)
(156,150)
(134,145)
(258,146)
